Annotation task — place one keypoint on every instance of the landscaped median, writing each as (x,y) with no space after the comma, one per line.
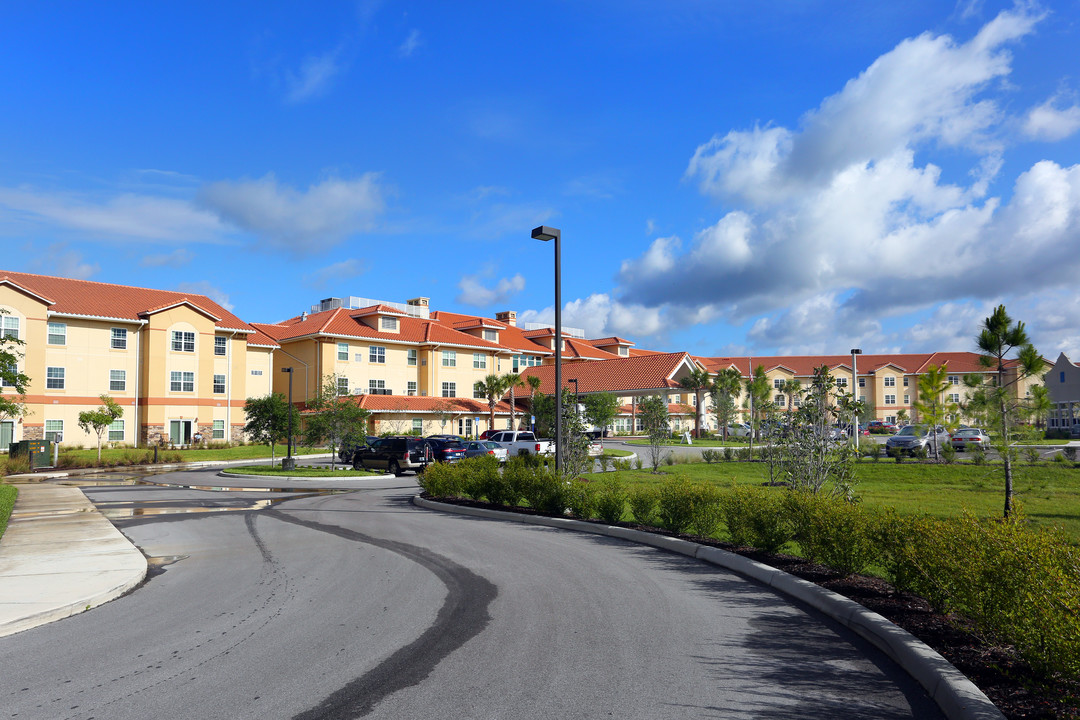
(1012,587)
(78,457)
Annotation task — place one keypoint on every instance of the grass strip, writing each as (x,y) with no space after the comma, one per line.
(7,504)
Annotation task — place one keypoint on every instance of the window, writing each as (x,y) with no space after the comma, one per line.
(183,341)
(890,399)
(841,382)
(218,433)
(955,379)
(57,334)
(343,386)
(221,345)
(410,388)
(11,368)
(388,323)
(358,357)
(116,431)
(54,378)
(256,372)
(862,398)
(343,351)
(377,354)
(117,380)
(449,389)
(954,397)
(479,361)
(378,387)
(890,381)
(476,392)
(11,326)
(119,339)
(417,426)
(862,382)
(907,399)
(890,418)
(491,335)
(526,361)
(53,428)
(779,400)
(1062,376)
(624,351)
(219,384)
(182,381)
(777,383)
(798,401)
(411,355)
(449,359)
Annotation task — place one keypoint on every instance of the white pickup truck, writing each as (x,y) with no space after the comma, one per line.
(522,442)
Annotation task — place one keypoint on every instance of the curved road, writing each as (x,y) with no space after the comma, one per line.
(361,605)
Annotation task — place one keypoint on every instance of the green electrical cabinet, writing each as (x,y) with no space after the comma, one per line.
(40,452)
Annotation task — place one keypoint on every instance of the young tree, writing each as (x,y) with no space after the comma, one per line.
(492,388)
(723,391)
(757,401)
(11,406)
(99,420)
(994,397)
(600,410)
(534,387)
(267,420)
(902,417)
(653,411)
(697,382)
(575,449)
(813,460)
(336,418)
(934,409)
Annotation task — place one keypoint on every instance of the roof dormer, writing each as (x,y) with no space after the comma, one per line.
(382,318)
(614,345)
(482,328)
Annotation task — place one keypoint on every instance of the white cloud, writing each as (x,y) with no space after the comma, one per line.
(601,316)
(411,43)
(1052,123)
(845,218)
(177,258)
(299,222)
(122,217)
(314,78)
(202,287)
(344,270)
(474,293)
(60,261)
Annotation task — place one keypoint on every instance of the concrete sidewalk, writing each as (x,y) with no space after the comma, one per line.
(60,556)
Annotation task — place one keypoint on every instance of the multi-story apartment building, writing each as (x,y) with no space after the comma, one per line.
(1063,387)
(177,363)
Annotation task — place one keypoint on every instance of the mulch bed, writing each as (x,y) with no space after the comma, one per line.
(997,670)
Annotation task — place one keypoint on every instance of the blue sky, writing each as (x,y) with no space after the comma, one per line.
(730,177)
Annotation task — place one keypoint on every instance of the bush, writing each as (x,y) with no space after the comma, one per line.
(643,501)
(675,504)
(706,511)
(948,453)
(755,517)
(480,478)
(978,456)
(729,454)
(1031,454)
(544,491)
(440,480)
(712,456)
(611,499)
(17,465)
(832,531)
(1069,453)
(581,498)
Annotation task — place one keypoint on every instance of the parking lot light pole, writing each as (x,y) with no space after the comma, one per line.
(546,233)
(855,352)
(289,463)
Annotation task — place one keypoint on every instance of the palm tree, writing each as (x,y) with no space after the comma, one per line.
(697,382)
(534,387)
(792,388)
(724,389)
(492,387)
(512,380)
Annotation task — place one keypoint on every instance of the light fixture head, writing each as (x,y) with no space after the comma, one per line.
(546,233)
(856,351)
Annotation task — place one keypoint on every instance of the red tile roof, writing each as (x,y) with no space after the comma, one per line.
(510,336)
(618,375)
(418,404)
(85,298)
(804,365)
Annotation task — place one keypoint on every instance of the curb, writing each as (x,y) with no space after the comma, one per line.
(956,696)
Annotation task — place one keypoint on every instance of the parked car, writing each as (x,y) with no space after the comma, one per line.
(458,438)
(521,442)
(443,450)
(739,430)
(480,448)
(965,438)
(487,434)
(345,452)
(881,426)
(913,438)
(393,454)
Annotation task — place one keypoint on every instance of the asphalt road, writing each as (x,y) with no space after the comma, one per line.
(361,605)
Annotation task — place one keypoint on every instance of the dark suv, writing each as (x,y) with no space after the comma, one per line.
(393,454)
(345,452)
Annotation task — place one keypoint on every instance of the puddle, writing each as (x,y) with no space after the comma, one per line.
(126,511)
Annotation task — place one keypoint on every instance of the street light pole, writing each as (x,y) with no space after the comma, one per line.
(855,352)
(289,463)
(546,233)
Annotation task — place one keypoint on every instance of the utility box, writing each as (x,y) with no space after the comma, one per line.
(39,452)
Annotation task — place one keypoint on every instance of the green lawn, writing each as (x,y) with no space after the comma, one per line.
(699,443)
(7,503)
(616,453)
(299,471)
(1049,492)
(238,452)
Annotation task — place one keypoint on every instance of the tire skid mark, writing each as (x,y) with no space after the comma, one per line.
(463,615)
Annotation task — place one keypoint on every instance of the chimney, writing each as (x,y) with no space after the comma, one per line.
(418,302)
(303,316)
(507,316)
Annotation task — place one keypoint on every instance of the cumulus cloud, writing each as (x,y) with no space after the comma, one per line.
(845,217)
(473,292)
(344,270)
(298,221)
(1050,122)
(126,216)
(202,287)
(601,316)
